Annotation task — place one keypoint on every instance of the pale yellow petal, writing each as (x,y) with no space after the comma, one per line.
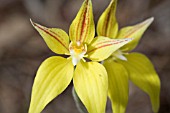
(143,74)
(91,85)
(82,28)
(102,47)
(118,85)
(107,24)
(52,78)
(134,32)
(56,39)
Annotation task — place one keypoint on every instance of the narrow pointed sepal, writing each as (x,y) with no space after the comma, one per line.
(82,28)
(102,47)
(142,73)
(91,85)
(56,39)
(53,77)
(107,23)
(135,32)
(118,85)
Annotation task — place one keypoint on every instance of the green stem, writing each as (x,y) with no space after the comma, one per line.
(78,102)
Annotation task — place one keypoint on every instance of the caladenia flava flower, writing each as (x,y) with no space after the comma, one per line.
(122,66)
(89,77)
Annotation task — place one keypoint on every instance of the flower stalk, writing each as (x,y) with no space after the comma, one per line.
(78,102)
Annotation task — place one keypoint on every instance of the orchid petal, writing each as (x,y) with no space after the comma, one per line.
(118,85)
(91,85)
(142,74)
(102,47)
(135,32)
(53,77)
(107,24)
(82,28)
(56,39)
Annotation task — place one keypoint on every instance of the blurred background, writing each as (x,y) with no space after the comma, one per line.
(22,49)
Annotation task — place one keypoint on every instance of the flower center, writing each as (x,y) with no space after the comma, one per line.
(119,55)
(77,51)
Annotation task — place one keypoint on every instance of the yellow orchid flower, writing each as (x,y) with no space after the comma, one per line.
(122,65)
(89,77)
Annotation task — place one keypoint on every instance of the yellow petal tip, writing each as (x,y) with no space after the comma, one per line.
(32,22)
(149,20)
